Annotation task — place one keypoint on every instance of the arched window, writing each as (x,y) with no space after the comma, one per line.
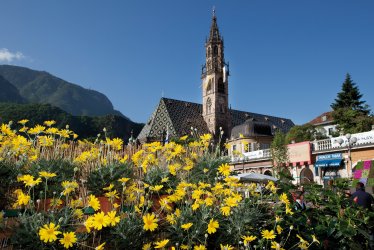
(209,87)
(268,172)
(306,176)
(209,51)
(221,86)
(208,106)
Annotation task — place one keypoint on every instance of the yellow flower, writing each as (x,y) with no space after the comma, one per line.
(49,123)
(283,198)
(270,186)
(156,188)
(36,130)
(161,244)
(46,174)
(212,226)
(171,219)
(277,219)
(150,222)
(124,180)
(69,186)
(101,247)
(68,239)
(289,210)
(78,213)
(206,137)
(315,239)
(29,181)
(269,235)
(147,246)
(226,247)
(46,141)
(225,210)
(187,226)
(94,202)
(64,133)
(23,122)
(165,179)
(183,138)
(111,195)
(108,188)
(224,169)
(195,206)
(276,246)
(279,229)
(115,143)
(48,233)
(124,159)
(248,239)
(112,218)
(199,247)
(302,241)
(100,220)
(22,198)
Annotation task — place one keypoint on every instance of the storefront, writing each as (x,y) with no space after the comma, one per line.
(300,159)
(329,167)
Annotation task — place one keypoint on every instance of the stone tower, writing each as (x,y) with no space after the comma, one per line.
(215,83)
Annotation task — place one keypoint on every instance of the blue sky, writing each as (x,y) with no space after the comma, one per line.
(287,58)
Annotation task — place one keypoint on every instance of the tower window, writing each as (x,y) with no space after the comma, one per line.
(209,87)
(221,86)
(208,106)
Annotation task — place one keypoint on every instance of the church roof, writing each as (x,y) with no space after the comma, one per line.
(176,117)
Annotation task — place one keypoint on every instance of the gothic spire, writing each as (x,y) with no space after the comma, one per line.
(214,32)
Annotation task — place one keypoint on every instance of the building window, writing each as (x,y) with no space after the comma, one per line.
(324,118)
(330,132)
(233,147)
(209,87)
(209,106)
(221,86)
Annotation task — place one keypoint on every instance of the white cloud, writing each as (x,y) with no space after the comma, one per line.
(7,56)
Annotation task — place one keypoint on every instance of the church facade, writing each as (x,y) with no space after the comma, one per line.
(175,118)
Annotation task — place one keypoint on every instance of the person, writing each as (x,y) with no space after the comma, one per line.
(362,198)
(299,201)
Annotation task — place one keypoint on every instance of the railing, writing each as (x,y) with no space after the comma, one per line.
(362,139)
(263,154)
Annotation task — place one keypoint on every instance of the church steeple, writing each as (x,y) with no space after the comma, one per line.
(215,82)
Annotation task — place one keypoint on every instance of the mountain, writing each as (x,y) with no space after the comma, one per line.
(42,87)
(85,126)
(9,93)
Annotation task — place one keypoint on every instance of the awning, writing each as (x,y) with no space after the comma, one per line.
(328,163)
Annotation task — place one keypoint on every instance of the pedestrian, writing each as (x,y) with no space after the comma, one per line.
(362,198)
(299,201)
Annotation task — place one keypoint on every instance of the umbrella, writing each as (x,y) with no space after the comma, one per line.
(255,177)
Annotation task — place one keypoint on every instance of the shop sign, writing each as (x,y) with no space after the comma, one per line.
(330,156)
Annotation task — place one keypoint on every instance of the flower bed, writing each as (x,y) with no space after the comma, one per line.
(173,196)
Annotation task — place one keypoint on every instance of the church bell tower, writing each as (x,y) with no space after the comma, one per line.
(215,83)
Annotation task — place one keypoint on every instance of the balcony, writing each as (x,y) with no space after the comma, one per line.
(258,155)
(337,143)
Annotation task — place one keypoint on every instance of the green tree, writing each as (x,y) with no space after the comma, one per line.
(350,97)
(350,113)
(279,151)
(306,132)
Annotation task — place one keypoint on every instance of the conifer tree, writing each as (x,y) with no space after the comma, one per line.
(350,113)
(350,97)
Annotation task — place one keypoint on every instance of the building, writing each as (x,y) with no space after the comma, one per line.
(174,118)
(325,124)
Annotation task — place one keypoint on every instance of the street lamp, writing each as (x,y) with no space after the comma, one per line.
(350,142)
